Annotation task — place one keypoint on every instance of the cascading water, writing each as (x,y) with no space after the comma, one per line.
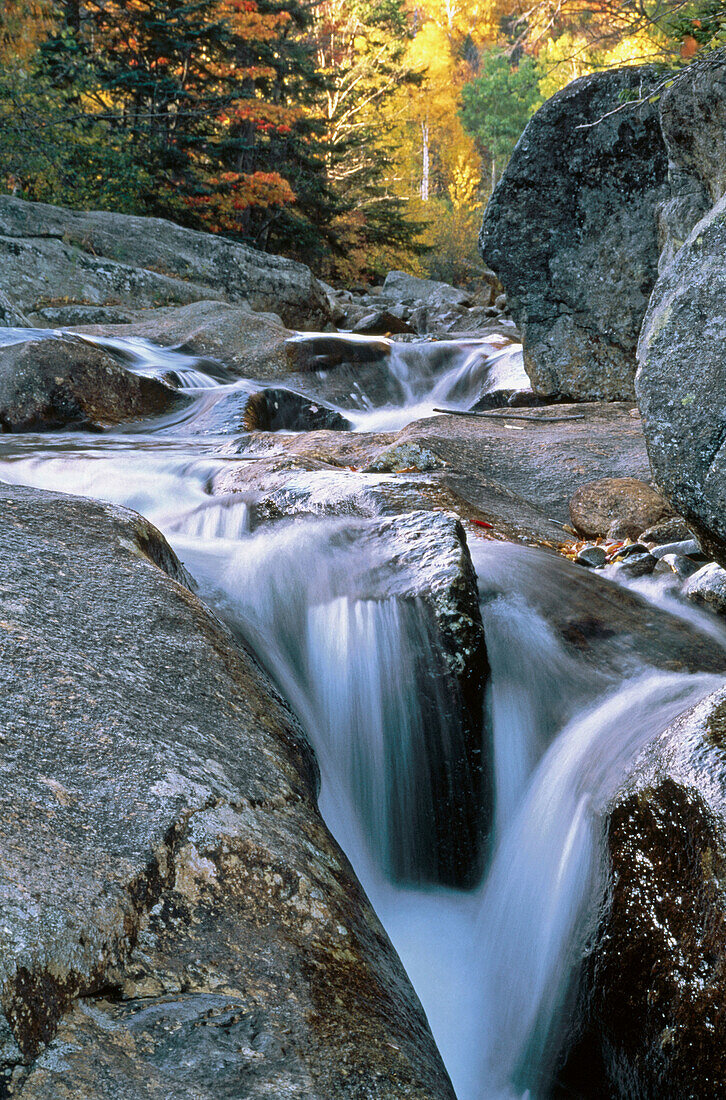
(496,966)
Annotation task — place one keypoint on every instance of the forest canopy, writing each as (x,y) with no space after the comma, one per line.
(357,135)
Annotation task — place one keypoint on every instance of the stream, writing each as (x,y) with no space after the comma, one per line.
(495,966)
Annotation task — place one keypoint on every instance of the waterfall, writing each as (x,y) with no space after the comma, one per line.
(540,905)
(365,673)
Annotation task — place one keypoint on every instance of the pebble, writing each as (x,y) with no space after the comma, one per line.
(638,565)
(688,547)
(620,553)
(680,564)
(708,586)
(592,556)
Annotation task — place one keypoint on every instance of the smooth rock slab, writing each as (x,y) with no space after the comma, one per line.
(105,258)
(175,918)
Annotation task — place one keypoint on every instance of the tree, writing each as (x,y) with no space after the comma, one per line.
(497,105)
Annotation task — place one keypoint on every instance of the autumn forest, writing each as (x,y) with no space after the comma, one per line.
(357,135)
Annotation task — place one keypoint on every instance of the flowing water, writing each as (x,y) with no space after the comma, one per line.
(495,966)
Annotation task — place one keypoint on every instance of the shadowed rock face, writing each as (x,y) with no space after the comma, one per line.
(67,383)
(571,232)
(176,919)
(682,380)
(655,984)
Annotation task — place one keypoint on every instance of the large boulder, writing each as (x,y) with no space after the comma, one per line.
(176,919)
(54,257)
(681,381)
(571,231)
(693,120)
(69,383)
(654,988)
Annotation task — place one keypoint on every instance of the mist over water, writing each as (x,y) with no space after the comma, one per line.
(495,966)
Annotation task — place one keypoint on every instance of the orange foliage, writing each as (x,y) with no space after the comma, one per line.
(237,192)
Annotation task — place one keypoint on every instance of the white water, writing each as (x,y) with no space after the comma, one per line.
(495,967)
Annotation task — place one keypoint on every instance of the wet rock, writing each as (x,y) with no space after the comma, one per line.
(674,529)
(637,565)
(101,258)
(593,556)
(616,631)
(69,383)
(708,587)
(571,232)
(655,983)
(298,484)
(323,353)
(689,547)
(679,564)
(382,323)
(271,410)
(404,456)
(177,919)
(681,380)
(250,345)
(621,553)
(627,502)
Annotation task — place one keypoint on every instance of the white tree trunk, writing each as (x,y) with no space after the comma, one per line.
(425,162)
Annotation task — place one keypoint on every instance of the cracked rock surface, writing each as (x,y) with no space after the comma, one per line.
(175,919)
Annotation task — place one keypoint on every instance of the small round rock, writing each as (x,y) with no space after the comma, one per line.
(592,556)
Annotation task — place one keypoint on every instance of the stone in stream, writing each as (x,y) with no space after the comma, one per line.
(678,563)
(177,920)
(689,547)
(612,628)
(69,383)
(598,507)
(681,381)
(708,587)
(654,985)
(637,565)
(674,529)
(250,345)
(271,410)
(592,556)
(571,231)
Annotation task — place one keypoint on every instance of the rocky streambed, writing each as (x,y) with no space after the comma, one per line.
(364,667)
(374,613)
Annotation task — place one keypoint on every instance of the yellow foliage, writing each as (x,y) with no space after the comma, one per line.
(464,186)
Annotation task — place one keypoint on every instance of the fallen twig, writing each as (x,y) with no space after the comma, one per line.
(501,414)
